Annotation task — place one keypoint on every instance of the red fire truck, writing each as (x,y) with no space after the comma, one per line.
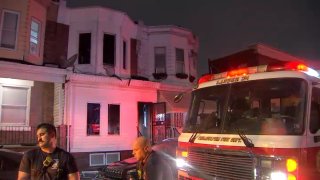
(258,123)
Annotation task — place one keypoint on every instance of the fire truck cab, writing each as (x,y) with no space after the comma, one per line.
(259,123)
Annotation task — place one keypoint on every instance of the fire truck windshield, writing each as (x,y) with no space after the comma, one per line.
(258,107)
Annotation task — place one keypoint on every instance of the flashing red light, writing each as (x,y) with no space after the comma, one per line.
(237,72)
(296,66)
(205,78)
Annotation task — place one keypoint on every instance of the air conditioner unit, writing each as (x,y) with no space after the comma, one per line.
(112,157)
(97,159)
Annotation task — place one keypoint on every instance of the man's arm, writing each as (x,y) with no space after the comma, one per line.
(74,176)
(23,176)
(25,167)
(73,172)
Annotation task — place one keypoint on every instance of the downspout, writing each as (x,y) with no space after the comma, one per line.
(67,110)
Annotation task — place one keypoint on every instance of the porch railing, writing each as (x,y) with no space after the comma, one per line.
(22,135)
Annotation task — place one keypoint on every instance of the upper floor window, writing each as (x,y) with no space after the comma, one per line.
(180,61)
(124,55)
(108,49)
(160,59)
(194,56)
(14,102)
(35,37)
(9,29)
(84,48)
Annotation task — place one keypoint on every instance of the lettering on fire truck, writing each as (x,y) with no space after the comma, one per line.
(232,80)
(222,139)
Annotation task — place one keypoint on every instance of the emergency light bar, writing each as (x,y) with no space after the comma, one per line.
(290,66)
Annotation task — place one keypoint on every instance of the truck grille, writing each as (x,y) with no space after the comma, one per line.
(221,164)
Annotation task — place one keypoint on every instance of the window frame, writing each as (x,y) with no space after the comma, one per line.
(180,63)
(156,59)
(87,120)
(16,31)
(124,55)
(119,119)
(105,50)
(314,104)
(38,38)
(84,63)
(27,106)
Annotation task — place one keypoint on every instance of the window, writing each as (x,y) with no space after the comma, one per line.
(114,119)
(315,111)
(179,60)
(108,49)
(9,29)
(14,102)
(194,56)
(84,48)
(35,37)
(97,159)
(93,119)
(160,59)
(124,55)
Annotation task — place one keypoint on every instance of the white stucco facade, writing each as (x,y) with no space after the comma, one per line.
(83,89)
(93,83)
(99,21)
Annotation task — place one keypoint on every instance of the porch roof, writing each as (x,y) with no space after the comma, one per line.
(32,72)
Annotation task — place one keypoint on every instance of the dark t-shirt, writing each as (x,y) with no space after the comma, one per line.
(155,168)
(62,164)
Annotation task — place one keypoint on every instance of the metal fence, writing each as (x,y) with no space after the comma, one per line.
(22,135)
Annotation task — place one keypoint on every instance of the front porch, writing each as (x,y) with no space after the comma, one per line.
(24,136)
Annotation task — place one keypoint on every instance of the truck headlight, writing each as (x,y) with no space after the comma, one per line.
(279,168)
(181,161)
(278,175)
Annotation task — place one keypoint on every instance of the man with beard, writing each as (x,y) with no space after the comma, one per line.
(48,161)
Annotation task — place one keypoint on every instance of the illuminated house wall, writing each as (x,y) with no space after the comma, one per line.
(114,72)
(84,89)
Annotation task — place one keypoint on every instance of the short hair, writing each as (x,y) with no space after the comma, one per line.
(142,141)
(48,127)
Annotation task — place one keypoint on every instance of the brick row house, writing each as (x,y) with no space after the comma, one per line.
(30,93)
(100,77)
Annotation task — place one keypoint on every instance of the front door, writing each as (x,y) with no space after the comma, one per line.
(144,119)
(151,121)
(158,122)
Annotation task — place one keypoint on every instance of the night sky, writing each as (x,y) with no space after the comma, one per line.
(228,26)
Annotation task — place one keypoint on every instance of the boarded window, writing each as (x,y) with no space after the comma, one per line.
(84,48)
